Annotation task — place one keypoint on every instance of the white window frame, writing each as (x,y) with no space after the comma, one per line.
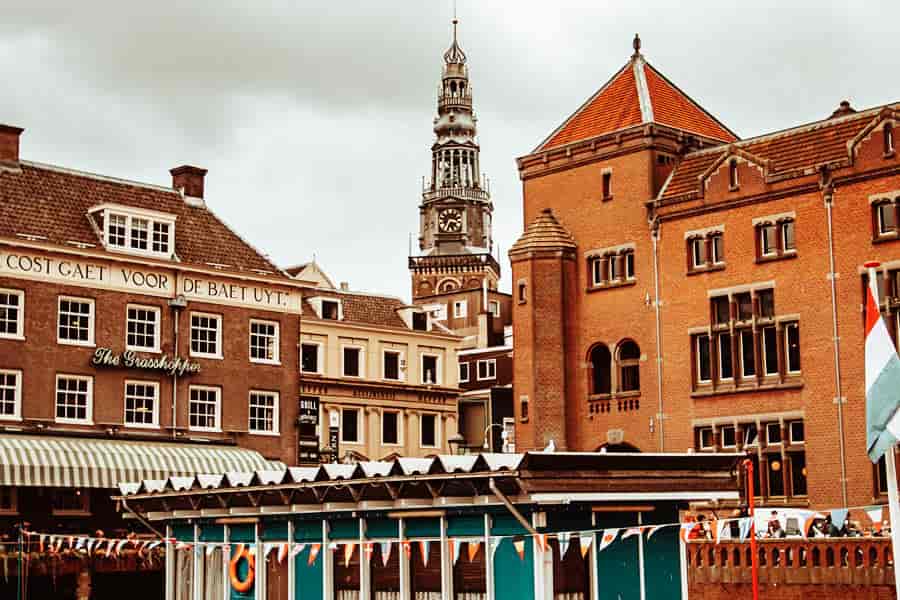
(218,418)
(264,361)
(155,423)
(490,368)
(778,426)
(275,411)
(400,360)
(218,353)
(91,321)
(879,207)
(340,309)
(17,395)
(494,308)
(740,336)
(362,361)
(762,339)
(320,357)
(467,369)
(698,365)
(719,339)
(130,214)
(437,430)
(762,240)
(157,333)
(400,440)
(787,355)
(754,443)
(460,309)
(625,256)
(698,255)
(722,436)
(612,273)
(89,405)
(716,259)
(712,436)
(438,376)
(783,227)
(791,433)
(20,318)
(360,426)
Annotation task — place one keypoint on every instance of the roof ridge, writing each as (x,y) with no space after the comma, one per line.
(98,176)
(643,91)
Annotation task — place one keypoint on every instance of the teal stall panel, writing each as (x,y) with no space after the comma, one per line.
(308,531)
(422,528)
(513,576)
(382,528)
(344,529)
(212,533)
(618,572)
(183,533)
(274,531)
(308,584)
(466,526)
(242,533)
(662,562)
(507,525)
(238,534)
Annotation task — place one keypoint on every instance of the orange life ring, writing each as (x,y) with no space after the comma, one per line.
(246,585)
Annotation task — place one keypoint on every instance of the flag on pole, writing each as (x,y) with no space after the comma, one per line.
(608,537)
(313,553)
(564,539)
(385,553)
(584,541)
(882,381)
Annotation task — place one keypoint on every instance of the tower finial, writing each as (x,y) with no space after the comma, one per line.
(455,21)
(636,44)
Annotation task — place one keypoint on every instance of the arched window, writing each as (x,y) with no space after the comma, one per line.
(888,132)
(733,174)
(628,358)
(601,363)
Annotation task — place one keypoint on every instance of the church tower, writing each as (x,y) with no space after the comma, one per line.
(455,243)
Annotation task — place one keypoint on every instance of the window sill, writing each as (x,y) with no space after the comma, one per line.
(707,391)
(141,426)
(76,343)
(606,198)
(264,433)
(11,418)
(143,349)
(270,363)
(706,269)
(882,238)
(315,373)
(16,338)
(74,421)
(774,257)
(205,429)
(207,356)
(613,285)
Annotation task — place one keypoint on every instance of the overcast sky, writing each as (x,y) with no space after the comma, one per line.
(314,118)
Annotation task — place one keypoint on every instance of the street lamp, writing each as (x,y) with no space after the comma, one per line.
(456,442)
(487,444)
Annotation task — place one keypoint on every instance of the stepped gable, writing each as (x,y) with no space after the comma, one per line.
(637,94)
(544,233)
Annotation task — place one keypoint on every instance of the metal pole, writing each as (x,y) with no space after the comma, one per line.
(20,588)
(754,554)
(890,459)
(641,571)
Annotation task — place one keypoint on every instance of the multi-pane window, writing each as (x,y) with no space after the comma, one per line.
(463,372)
(767,240)
(160,238)
(206,333)
(618,371)
(74,398)
(391,365)
(430,369)
(264,341)
(352,361)
(309,358)
(140,233)
(75,321)
(628,356)
(428,430)
(776,239)
(706,250)
(614,267)
(142,328)
(698,252)
(204,408)
(141,403)
(116,230)
(12,310)
(350,426)
(487,369)
(10,394)
(390,427)
(717,248)
(494,308)
(263,412)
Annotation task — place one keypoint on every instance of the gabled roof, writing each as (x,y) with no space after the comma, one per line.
(51,204)
(312,272)
(637,94)
(543,233)
(365,309)
(783,153)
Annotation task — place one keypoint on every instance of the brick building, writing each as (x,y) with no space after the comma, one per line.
(138,334)
(677,288)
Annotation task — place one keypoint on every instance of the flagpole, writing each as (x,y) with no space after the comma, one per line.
(889,456)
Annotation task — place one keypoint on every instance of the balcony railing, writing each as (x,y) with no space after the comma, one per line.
(463,193)
(832,561)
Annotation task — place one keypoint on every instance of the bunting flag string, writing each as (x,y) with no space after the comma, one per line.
(608,537)
(472,549)
(348,553)
(297,549)
(313,553)
(368,550)
(584,542)
(721,524)
(744,527)
(385,553)
(455,547)
(564,539)
(630,532)
(424,548)
(653,530)
(282,552)
(519,545)
(495,543)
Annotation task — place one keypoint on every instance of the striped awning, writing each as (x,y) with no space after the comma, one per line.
(96,463)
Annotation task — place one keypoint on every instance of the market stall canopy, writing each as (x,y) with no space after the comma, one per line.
(27,460)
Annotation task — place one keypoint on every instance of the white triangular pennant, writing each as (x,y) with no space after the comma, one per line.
(564,539)
(608,537)
(297,549)
(385,553)
(584,541)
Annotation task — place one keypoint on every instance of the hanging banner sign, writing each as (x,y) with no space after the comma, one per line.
(105,357)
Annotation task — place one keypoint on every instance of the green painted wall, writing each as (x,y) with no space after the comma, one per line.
(422,528)
(274,531)
(513,577)
(183,533)
(308,584)
(465,526)
(210,532)
(344,529)
(662,564)
(241,534)
(308,531)
(382,528)
(618,574)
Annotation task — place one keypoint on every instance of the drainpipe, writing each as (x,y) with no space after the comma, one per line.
(512,509)
(829,197)
(660,419)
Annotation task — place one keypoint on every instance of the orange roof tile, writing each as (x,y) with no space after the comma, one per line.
(636,94)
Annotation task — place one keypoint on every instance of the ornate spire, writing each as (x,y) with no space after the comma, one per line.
(454,54)
(636,44)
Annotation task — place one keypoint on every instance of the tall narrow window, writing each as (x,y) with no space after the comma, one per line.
(142,328)
(887,218)
(352,361)
(770,351)
(74,398)
(787,236)
(10,394)
(430,373)
(601,362)
(350,426)
(607,185)
(160,238)
(766,303)
(613,269)
(263,412)
(888,133)
(698,252)
(390,427)
(598,276)
(629,367)
(428,430)
(140,233)
(309,358)
(206,333)
(463,372)
(264,341)
(522,292)
(115,230)
(767,245)
(204,410)
(717,247)
(391,360)
(76,321)
(141,403)
(733,174)
(726,367)
(792,347)
(702,354)
(629,264)
(721,309)
(12,305)
(748,358)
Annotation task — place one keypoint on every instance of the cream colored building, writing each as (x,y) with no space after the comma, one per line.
(383,374)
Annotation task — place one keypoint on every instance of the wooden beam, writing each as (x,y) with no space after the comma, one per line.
(621,509)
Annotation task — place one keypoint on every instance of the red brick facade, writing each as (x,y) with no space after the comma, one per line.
(635,224)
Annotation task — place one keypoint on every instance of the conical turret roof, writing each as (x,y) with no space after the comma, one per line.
(545,232)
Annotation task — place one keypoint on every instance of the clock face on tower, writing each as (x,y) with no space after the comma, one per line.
(450,221)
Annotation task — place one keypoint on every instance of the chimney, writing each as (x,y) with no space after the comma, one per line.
(345,287)
(188,180)
(9,143)
(843,109)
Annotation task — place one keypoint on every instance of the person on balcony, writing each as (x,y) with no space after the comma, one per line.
(774,529)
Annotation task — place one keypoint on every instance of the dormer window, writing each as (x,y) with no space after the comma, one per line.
(135,230)
(330,310)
